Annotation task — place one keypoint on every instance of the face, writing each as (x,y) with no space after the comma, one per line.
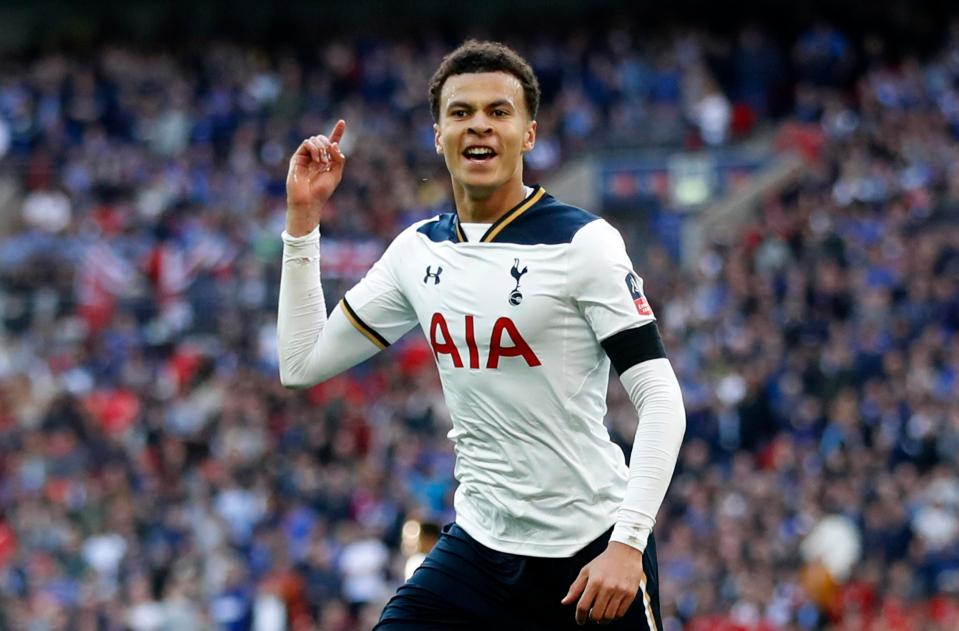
(484,129)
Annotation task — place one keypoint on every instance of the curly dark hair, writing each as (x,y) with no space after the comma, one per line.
(476,56)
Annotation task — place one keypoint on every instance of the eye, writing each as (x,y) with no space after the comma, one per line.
(500,113)
(458,114)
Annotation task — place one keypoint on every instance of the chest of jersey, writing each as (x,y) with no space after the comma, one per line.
(489,306)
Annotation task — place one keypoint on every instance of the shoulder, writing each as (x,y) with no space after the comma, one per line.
(440,228)
(597,248)
(548,222)
(597,237)
(411,236)
(397,252)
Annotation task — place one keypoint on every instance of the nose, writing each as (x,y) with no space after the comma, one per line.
(480,125)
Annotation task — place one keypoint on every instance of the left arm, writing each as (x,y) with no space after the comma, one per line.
(652,387)
(607,586)
(612,300)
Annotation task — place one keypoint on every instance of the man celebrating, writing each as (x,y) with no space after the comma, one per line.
(525,301)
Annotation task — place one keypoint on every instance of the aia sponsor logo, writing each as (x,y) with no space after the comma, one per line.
(505,341)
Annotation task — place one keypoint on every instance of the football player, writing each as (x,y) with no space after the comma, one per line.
(526,302)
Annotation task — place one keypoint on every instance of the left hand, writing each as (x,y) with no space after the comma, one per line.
(607,585)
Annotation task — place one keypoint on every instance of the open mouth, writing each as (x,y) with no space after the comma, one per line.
(479,154)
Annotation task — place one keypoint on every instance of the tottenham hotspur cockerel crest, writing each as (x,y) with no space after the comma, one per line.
(515,297)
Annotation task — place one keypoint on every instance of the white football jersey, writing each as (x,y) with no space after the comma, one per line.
(515,321)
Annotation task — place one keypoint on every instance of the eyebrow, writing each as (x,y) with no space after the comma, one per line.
(469,106)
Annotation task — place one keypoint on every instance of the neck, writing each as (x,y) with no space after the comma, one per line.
(486,206)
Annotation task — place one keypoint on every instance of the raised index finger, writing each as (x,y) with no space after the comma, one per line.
(338,130)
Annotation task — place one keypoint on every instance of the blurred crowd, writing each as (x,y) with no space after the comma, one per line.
(819,358)
(155,475)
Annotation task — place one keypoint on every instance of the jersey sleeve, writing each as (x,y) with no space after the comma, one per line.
(603,284)
(377,306)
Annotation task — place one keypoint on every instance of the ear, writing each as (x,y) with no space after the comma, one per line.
(529,139)
(436,139)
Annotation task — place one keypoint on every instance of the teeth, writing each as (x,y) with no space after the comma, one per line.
(479,151)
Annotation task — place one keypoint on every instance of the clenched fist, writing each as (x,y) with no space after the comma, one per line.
(316,169)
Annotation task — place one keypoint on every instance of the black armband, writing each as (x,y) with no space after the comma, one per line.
(634,346)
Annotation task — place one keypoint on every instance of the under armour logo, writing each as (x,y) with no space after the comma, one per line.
(515,297)
(434,275)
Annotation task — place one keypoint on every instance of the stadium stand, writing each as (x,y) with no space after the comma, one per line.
(155,475)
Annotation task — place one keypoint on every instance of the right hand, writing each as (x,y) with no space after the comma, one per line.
(316,169)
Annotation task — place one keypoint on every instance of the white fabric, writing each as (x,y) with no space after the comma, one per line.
(538,474)
(654,390)
(475,231)
(311,347)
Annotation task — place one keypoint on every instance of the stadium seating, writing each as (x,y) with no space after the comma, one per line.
(154,473)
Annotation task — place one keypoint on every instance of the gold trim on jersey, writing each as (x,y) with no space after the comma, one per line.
(648,605)
(361,326)
(500,224)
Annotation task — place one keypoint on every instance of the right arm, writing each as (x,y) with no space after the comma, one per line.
(312,347)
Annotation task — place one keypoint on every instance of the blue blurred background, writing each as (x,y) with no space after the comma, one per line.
(786,176)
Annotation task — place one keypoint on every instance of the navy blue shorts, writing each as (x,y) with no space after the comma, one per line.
(462,584)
